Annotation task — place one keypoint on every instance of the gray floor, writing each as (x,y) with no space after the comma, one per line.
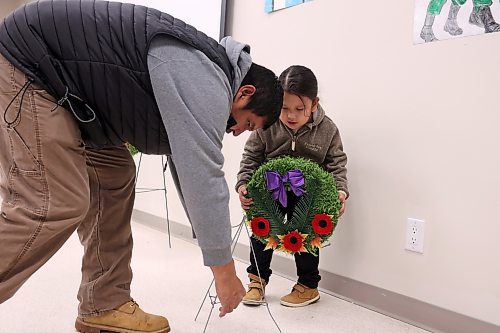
(172,282)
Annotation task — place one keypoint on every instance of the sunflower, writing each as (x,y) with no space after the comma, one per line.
(322,224)
(260,226)
(293,242)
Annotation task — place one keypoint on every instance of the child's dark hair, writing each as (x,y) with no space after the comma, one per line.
(268,97)
(299,80)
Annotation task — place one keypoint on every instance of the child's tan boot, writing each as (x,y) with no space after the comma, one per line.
(300,296)
(256,291)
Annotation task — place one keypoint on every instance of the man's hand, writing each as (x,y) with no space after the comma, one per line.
(245,202)
(228,287)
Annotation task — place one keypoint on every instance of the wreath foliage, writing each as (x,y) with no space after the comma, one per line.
(133,151)
(314,216)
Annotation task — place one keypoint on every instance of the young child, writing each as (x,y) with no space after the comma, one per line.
(303,130)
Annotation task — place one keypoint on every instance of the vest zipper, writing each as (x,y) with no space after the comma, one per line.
(293,142)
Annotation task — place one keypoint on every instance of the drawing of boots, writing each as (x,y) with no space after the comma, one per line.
(474,19)
(451,25)
(484,14)
(427,34)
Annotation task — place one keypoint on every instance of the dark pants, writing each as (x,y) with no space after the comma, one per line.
(306,263)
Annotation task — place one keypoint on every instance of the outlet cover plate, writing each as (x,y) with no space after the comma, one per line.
(415,235)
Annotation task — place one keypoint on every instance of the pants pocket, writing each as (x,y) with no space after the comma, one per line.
(28,190)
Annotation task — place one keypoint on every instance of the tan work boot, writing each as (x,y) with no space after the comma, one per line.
(300,296)
(256,291)
(127,318)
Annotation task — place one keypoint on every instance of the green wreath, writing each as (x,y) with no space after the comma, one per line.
(316,210)
(132,149)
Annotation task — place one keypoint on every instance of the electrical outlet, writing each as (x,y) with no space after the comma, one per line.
(415,235)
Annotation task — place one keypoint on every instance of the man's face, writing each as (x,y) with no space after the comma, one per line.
(246,119)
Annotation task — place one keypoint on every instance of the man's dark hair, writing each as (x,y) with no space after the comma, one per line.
(268,97)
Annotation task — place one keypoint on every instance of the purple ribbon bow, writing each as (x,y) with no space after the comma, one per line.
(276,183)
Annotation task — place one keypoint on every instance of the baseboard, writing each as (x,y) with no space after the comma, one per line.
(406,309)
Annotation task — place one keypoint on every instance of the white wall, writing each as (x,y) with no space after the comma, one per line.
(420,127)
(204,14)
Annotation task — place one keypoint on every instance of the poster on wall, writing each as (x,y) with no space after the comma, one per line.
(274,5)
(444,19)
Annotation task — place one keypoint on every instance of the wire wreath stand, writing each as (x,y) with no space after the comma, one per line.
(164,165)
(213,298)
(234,242)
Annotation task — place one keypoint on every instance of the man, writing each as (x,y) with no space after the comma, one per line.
(78,79)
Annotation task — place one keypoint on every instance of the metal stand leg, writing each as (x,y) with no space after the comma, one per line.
(258,274)
(164,165)
(213,298)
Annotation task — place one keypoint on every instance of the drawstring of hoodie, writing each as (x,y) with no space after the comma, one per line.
(23,90)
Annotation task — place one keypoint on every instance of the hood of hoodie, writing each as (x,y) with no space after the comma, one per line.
(240,59)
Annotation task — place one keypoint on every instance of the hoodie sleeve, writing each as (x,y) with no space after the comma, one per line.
(194,98)
(253,156)
(336,161)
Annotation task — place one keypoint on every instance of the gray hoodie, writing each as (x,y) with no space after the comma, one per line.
(195,99)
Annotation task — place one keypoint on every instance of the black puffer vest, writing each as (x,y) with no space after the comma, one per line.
(92,57)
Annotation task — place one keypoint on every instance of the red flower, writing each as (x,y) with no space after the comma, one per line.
(293,242)
(322,224)
(260,226)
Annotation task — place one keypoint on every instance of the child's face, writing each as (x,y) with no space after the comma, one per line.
(297,110)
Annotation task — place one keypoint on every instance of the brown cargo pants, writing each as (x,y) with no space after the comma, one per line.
(52,185)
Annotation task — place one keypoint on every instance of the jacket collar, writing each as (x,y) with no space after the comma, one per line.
(317,117)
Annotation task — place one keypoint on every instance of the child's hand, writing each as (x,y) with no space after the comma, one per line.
(342,198)
(245,202)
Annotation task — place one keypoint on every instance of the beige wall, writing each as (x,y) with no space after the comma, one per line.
(9,5)
(420,127)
